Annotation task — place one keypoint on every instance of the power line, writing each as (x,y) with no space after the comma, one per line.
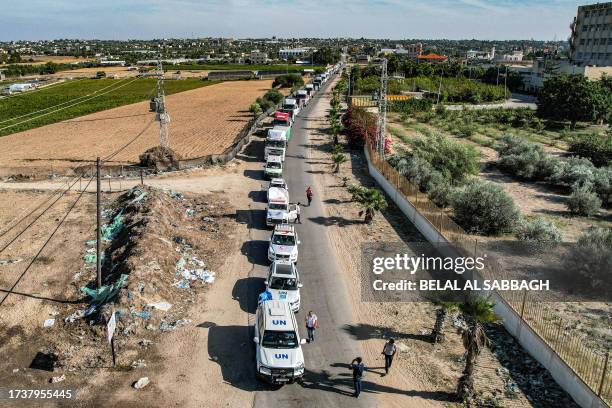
(69,106)
(116,152)
(45,244)
(37,218)
(61,104)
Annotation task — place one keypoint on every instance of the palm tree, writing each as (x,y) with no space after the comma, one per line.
(476,312)
(338,159)
(371,199)
(445,308)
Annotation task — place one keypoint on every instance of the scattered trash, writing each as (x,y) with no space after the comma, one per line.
(140,363)
(92,242)
(141,287)
(145,343)
(49,323)
(190,212)
(75,316)
(15,370)
(61,378)
(105,293)
(163,306)
(208,219)
(140,197)
(182,284)
(144,314)
(141,383)
(111,230)
(90,258)
(9,261)
(165,326)
(176,195)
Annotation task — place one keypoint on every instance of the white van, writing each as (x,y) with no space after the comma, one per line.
(278,350)
(283,283)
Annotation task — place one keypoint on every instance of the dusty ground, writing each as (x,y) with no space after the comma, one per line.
(204,121)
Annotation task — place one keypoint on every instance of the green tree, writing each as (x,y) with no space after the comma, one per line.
(274,96)
(255,109)
(370,199)
(326,55)
(573,98)
(444,308)
(338,159)
(476,312)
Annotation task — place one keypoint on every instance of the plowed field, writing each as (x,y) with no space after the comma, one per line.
(203,121)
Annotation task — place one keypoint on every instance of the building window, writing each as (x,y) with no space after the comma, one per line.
(582,41)
(585,27)
(579,55)
(589,41)
(596,41)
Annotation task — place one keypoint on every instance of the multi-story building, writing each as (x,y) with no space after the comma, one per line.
(591,39)
(294,53)
(258,57)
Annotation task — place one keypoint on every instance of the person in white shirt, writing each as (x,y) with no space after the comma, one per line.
(389,352)
(312,324)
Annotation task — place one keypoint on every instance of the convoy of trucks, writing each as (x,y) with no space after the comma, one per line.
(278,350)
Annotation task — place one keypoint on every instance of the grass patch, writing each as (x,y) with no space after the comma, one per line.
(23,107)
(238,67)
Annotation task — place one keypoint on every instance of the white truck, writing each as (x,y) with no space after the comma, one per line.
(283,283)
(276,143)
(310,90)
(302,97)
(291,106)
(278,351)
(273,167)
(284,243)
(276,183)
(279,210)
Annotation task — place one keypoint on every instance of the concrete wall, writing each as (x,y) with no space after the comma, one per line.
(535,346)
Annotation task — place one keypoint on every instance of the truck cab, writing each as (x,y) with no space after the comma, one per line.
(310,90)
(273,167)
(302,97)
(278,351)
(276,183)
(276,143)
(283,244)
(290,106)
(279,210)
(281,118)
(283,283)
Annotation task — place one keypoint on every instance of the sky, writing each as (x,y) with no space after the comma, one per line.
(393,19)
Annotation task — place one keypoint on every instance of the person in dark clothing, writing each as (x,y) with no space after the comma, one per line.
(358,369)
(389,352)
(309,195)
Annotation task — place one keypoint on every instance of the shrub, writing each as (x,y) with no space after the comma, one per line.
(453,159)
(574,170)
(591,257)
(596,148)
(410,106)
(602,184)
(360,125)
(583,201)
(274,96)
(539,233)
(288,81)
(255,109)
(265,104)
(484,208)
(439,190)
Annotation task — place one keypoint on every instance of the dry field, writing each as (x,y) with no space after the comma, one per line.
(204,121)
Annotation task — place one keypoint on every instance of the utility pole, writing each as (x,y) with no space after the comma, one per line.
(98,226)
(162,116)
(382,110)
(506,84)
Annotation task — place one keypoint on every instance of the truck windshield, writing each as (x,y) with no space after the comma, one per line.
(279,339)
(273,165)
(276,206)
(275,143)
(283,240)
(280,122)
(283,283)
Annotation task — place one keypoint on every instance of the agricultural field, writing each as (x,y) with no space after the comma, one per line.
(33,109)
(204,121)
(239,67)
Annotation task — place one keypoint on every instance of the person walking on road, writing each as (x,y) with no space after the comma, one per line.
(358,369)
(309,195)
(312,323)
(389,352)
(299,221)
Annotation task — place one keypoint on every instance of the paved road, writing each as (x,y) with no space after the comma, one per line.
(328,381)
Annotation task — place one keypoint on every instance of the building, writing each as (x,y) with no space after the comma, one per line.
(362,59)
(591,37)
(432,59)
(411,51)
(542,69)
(295,53)
(481,55)
(516,56)
(258,57)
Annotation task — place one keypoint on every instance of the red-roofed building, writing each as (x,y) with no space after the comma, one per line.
(432,58)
